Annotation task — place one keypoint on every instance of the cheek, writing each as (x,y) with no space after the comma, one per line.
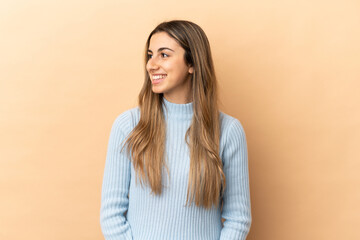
(176,67)
(168,66)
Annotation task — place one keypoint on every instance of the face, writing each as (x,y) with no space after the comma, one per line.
(168,71)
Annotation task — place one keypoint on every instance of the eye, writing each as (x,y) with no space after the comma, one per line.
(164,54)
(149,55)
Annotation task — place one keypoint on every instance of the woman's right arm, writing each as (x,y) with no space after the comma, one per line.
(115,187)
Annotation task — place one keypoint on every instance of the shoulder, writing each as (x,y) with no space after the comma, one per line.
(126,121)
(230,124)
(231,130)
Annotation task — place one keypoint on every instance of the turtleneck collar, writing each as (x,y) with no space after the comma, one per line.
(176,110)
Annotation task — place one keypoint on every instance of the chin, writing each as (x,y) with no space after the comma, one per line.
(157,91)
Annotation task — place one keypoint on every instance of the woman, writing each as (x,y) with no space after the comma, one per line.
(190,158)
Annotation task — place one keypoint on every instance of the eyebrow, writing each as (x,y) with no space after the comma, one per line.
(162,48)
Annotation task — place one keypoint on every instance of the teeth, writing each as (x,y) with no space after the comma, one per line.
(159,76)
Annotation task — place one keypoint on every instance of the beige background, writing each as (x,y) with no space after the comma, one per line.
(288,70)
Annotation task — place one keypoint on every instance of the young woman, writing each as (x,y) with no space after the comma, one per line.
(190,158)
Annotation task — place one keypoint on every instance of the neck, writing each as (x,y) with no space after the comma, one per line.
(178,110)
(186,99)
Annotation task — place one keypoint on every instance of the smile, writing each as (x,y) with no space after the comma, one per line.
(158,78)
(155,77)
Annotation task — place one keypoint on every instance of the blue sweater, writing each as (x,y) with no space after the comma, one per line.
(165,217)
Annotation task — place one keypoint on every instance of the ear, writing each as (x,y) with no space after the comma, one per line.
(191,70)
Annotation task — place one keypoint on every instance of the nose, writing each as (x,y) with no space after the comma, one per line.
(152,64)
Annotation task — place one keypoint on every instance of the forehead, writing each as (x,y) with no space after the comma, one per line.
(162,39)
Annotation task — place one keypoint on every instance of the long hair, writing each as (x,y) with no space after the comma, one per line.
(146,141)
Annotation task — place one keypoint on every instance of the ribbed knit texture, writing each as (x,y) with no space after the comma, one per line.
(165,217)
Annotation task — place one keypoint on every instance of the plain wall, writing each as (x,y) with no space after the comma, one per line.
(288,70)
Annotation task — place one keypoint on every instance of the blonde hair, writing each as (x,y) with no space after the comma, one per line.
(146,141)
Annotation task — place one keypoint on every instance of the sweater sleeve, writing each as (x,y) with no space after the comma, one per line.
(115,187)
(236,200)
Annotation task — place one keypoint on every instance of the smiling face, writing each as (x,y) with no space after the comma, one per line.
(168,70)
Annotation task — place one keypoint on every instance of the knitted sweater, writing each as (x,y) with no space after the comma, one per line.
(165,217)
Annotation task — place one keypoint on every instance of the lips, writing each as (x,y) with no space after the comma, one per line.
(157,78)
(156,81)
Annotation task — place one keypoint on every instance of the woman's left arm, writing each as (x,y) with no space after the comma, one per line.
(236,209)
